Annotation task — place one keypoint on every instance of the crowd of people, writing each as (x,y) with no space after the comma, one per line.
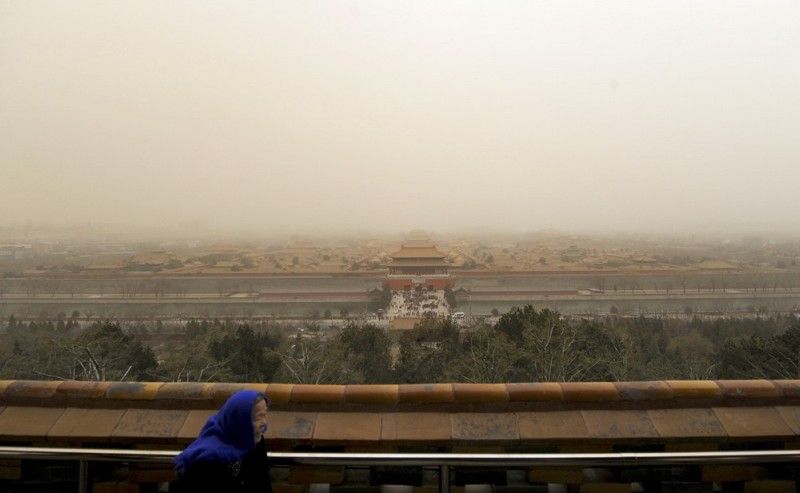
(418,302)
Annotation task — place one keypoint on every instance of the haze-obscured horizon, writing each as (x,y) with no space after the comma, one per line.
(317,117)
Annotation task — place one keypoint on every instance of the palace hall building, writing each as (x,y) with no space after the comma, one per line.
(418,263)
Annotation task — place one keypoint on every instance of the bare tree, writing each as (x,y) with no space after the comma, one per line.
(310,360)
(552,351)
(489,357)
(191,362)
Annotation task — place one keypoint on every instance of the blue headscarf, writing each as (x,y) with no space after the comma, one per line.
(227,436)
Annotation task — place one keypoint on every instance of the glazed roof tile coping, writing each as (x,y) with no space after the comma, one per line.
(31,389)
(74,389)
(480,392)
(695,389)
(655,390)
(198,395)
(139,391)
(534,391)
(426,393)
(372,394)
(4,385)
(788,388)
(317,394)
(183,391)
(739,389)
(221,391)
(589,391)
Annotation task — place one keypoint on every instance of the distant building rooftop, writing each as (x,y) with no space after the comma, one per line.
(418,246)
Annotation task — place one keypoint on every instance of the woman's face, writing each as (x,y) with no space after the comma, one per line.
(259,419)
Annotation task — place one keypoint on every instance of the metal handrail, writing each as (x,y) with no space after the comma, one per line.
(425,459)
(541,460)
(442,461)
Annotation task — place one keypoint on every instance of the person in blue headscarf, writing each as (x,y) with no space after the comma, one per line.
(229,454)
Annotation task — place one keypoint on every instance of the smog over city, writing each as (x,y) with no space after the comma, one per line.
(677,118)
(196,180)
(417,246)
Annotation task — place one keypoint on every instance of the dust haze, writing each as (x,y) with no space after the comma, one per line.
(668,117)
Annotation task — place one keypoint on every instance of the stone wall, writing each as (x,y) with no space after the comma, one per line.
(519,417)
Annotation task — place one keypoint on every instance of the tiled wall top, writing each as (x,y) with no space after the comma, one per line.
(703,426)
(160,395)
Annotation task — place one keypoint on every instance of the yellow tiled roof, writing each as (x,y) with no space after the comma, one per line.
(417,252)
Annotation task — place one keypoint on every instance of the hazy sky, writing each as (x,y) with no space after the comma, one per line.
(656,116)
